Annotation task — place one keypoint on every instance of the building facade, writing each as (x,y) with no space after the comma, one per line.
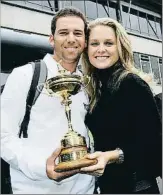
(30,20)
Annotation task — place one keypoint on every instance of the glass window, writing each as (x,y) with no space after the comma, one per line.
(155,69)
(65,3)
(137,60)
(143,23)
(102,9)
(112,10)
(48,5)
(160,65)
(80,5)
(158,27)
(91,9)
(134,20)
(125,17)
(151,26)
(34,4)
(16,2)
(145,63)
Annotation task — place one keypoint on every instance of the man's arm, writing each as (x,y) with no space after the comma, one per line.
(13,103)
(35,163)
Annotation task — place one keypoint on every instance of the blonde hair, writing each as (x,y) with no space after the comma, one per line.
(125,56)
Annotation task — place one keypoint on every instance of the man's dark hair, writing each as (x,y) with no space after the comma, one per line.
(68,11)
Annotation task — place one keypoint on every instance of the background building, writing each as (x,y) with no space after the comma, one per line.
(25,26)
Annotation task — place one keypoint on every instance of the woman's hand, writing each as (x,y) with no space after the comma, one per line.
(103,159)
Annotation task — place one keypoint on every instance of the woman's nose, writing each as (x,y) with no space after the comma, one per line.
(101,48)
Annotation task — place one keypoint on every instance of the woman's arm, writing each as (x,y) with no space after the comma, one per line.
(103,159)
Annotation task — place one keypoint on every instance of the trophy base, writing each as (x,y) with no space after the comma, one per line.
(75,164)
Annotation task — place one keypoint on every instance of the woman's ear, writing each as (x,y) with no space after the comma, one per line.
(51,40)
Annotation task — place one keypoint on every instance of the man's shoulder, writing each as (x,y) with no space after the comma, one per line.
(26,68)
(21,72)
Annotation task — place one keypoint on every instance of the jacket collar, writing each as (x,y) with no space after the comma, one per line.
(106,75)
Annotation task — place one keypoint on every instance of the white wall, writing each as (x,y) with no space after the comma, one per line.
(146,46)
(23,19)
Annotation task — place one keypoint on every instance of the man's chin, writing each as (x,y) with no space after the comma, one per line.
(72,59)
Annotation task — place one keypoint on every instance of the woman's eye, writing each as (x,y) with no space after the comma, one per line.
(94,44)
(108,43)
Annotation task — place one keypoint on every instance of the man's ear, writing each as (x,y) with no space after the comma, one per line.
(51,40)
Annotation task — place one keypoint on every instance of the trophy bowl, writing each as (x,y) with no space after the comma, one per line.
(73,145)
(71,84)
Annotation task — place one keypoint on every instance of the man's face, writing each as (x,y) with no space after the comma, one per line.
(69,39)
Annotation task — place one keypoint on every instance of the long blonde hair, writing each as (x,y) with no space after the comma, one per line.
(125,56)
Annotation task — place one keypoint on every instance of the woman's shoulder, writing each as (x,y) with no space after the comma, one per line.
(133,82)
(134,79)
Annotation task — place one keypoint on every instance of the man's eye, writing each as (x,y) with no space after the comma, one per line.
(78,34)
(63,33)
(94,44)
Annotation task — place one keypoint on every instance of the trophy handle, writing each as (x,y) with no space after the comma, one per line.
(40,86)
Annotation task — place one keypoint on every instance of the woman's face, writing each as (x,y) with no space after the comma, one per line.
(102,47)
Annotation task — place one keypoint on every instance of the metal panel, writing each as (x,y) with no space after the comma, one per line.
(19,48)
(13,37)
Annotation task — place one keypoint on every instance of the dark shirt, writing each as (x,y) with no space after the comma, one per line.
(158,99)
(125,117)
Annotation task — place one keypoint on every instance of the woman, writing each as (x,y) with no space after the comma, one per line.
(123,116)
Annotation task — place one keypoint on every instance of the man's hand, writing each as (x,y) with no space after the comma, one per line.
(50,165)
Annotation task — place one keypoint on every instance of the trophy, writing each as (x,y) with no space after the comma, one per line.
(73,145)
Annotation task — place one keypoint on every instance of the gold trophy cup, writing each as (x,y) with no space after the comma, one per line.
(73,145)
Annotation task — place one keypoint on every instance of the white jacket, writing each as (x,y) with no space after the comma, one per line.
(48,124)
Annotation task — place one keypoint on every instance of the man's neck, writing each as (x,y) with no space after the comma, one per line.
(70,66)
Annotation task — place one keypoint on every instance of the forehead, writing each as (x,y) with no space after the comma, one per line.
(102,32)
(70,22)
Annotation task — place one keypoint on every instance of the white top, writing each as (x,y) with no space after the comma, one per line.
(48,124)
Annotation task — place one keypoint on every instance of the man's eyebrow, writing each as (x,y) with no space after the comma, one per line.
(77,30)
(64,29)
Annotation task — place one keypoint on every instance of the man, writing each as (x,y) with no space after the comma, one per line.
(32,159)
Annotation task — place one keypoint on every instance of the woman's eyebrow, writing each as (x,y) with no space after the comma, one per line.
(98,40)
(93,40)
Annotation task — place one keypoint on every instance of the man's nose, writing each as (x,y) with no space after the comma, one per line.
(71,37)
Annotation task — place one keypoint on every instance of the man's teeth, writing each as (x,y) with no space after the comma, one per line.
(70,47)
(101,57)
